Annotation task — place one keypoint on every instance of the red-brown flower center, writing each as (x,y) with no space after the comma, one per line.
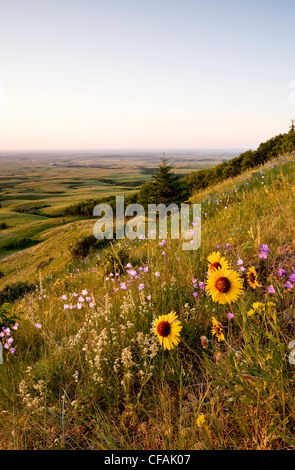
(164,328)
(252,277)
(215,265)
(218,330)
(222,284)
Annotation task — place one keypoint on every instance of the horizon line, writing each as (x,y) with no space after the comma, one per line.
(126,149)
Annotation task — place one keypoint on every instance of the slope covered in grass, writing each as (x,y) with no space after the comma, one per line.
(50,255)
(89,372)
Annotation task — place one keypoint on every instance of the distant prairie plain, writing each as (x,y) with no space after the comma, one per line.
(37,187)
(62,178)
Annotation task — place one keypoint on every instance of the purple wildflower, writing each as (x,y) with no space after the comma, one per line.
(271,290)
(132,272)
(263,251)
(282,272)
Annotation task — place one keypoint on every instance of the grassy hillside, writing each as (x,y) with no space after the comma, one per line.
(50,255)
(85,369)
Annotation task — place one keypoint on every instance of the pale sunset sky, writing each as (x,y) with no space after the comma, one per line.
(145,74)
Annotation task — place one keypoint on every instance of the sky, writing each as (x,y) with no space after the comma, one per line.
(145,74)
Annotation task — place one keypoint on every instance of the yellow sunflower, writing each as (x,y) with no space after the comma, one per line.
(168,328)
(217,329)
(252,278)
(224,285)
(217,261)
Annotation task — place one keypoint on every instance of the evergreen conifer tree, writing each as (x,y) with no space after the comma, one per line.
(165,187)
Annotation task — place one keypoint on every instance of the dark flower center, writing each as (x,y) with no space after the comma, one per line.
(218,330)
(222,284)
(252,277)
(215,265)
(164,328)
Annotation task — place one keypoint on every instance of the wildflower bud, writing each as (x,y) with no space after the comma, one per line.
(204,341)
(218,356)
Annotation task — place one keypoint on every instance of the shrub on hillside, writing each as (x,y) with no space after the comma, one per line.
(15,291)
(86,245)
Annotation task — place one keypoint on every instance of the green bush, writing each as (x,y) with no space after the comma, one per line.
(15,291)
(86,245)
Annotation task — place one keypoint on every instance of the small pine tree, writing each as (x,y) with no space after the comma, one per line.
(165,187)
